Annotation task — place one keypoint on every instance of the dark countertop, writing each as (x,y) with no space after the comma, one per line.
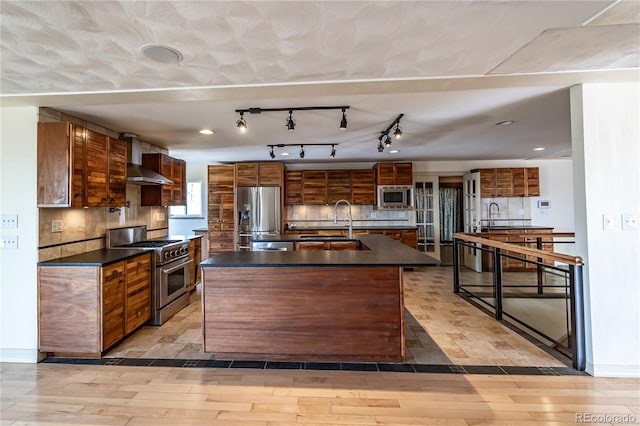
(355,228)
(383,251)
(201,230)
(94,258)
(181,237)
(519,228)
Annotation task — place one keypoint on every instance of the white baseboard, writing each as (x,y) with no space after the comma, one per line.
(30,356)
(627,371)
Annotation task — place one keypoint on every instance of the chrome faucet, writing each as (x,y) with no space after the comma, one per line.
(335,216)
(491,222)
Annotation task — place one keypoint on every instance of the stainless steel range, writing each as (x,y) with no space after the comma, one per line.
(170,286)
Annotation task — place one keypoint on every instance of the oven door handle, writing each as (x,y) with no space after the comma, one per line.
(175,268)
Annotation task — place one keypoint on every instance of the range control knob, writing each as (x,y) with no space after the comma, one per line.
(166,255)
(183,250)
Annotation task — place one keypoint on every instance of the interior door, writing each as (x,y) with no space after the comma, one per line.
(472,257)
(427,214)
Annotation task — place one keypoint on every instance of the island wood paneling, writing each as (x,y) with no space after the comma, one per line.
(340,313)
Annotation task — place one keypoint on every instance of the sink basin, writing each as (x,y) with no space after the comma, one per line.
(324,237)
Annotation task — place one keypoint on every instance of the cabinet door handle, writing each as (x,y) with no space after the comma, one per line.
(115,272)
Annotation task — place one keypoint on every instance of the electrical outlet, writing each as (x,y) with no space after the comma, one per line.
(9,242)
(160,216)
(629,222)
(56,226)
(402,215)
(609,222)
(9,221)
(373,215)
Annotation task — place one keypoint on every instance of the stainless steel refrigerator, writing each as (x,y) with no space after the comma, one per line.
(258,210)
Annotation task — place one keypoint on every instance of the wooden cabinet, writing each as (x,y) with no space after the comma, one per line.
(221,204)
(394,173)
(138,292)
(293,187)
(165,195)
(78,167)
(363,187)
(326,245)
(314,187)
(509,182)
(259,174)
(338,186)
(521,238)
(195,246)
(329,186)
(86,310)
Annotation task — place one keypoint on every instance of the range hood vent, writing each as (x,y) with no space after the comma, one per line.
(136,173)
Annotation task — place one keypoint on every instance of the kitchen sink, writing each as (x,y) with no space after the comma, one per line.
(324,237)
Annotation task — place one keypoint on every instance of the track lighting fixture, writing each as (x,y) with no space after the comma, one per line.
(302,152)
(343,122)
(291,125)
(398,132)
(384,141)
(241,124)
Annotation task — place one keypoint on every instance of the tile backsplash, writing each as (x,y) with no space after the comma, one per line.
(512,211)
(84,229)
(307,216)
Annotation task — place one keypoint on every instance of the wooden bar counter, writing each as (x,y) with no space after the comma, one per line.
(344,305)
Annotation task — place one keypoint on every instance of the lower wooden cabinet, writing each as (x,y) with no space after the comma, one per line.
(195,252)
(522,238)
(85,310)
(408,237)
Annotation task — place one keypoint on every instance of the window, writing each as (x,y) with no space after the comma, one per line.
(194,203)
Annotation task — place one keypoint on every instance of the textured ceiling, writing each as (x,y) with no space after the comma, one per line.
(382,58)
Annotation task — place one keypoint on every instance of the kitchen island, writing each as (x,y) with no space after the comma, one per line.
(338,305)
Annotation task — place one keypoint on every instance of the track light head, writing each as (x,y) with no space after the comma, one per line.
(387,141)
(380,146)
(291,125)
(398,132)
(343,122)
(271,154)
(333,152)
(301,151)
(241,124)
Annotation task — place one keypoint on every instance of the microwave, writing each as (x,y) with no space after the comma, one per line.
(395,197)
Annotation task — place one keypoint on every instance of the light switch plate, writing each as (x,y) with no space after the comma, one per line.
(9,221)
(9,242)
(608,221)
(56,226)
(630,222)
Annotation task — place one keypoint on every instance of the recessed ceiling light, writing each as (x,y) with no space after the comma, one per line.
(394,151)
(207,132)
(540,148)
(284,153)
(163,54)
(505,123)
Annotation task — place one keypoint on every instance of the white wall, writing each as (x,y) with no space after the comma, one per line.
(18,282)
(556,185)
(605,134)
(195,173)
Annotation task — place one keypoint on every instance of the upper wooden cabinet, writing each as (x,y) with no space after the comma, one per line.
(394,173)
(509,182)
(259,174)
(78,167)
(329,186)
(165,195)
(363,187)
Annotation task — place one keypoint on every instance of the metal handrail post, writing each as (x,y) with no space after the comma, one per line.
(497,282)
(456,267)
(539,266)
(576,296)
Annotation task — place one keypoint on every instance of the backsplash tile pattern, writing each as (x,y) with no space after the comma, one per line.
(513,211)
(308,216)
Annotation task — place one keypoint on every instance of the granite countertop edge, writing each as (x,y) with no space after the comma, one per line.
(383,251)
(100,257)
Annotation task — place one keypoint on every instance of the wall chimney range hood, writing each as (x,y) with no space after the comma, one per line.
(136,173)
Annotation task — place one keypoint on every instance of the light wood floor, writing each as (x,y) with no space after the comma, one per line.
(441,328)
(62,394)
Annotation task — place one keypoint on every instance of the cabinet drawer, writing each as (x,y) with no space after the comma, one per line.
(115,270)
